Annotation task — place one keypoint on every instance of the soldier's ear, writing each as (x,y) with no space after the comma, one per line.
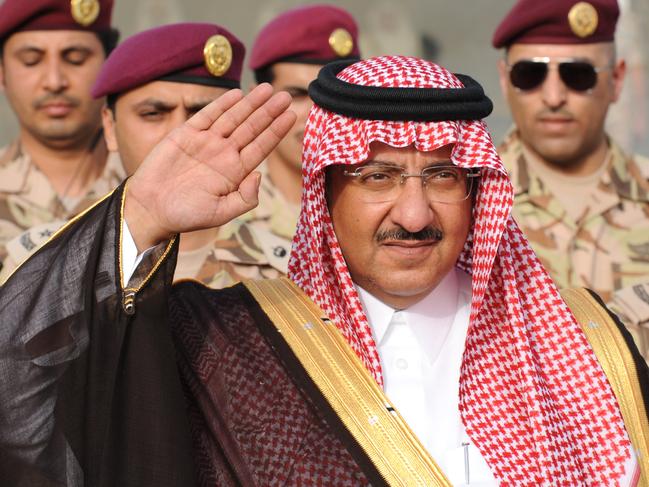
(503,77)
(618,74)
(2,75)
(108,121)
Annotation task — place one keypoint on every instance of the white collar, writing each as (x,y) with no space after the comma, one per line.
(440,305)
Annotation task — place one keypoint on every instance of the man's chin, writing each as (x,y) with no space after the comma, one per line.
(59,131)
(407,284)
(561,153)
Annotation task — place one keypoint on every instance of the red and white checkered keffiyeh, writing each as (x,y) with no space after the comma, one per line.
(533,397)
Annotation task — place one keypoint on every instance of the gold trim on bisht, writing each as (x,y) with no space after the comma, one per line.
(218,55)
(583,19)
(347,386)
(129,293)
(341,42)
(84,12)
(617,362)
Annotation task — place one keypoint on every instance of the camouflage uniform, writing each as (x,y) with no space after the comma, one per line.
(273,217)
(607,249)
(27,200)
(234,256)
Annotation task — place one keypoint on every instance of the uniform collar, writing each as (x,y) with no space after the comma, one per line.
(623,176)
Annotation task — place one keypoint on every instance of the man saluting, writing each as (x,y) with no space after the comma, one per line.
(421,342)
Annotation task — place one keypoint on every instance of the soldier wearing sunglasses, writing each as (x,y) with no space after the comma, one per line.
(581,201)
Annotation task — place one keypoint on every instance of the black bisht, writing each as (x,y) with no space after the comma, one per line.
(89,396)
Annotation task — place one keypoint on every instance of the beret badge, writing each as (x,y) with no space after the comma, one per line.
(583,19)
(341,42)
(218,55)
(84,12)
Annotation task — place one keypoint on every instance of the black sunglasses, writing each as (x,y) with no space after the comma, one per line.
(578,75)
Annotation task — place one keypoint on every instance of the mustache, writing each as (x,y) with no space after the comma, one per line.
(55,98)
(427,234)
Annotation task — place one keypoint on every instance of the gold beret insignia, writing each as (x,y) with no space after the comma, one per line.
(218,55)
(341,42)
(84,12)
(583,19)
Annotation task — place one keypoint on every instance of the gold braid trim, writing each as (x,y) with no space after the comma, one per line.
(615,358)
(347,386)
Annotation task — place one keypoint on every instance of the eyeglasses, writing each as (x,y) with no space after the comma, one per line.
(443,184)
(578,75)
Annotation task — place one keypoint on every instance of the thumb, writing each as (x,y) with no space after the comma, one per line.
(239,202)
(249,189)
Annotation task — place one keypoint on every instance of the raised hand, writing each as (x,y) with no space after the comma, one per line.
(201,174)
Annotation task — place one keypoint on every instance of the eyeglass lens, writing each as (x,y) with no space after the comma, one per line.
(443,184)
(577,75)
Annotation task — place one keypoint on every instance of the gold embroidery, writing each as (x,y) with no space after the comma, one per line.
(129,293)
(347,386)
(615,358)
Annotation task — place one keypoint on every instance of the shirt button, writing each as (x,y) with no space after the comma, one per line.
(402,363)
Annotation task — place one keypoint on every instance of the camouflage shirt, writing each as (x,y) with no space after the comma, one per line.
(27,199)
(273,222)
(233,256)
(607,248)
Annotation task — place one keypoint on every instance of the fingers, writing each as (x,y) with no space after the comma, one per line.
(239,202)
(206,117)
(260,120)
(237,114)
(261,146)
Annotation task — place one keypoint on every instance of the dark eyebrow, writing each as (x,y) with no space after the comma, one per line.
(154,103)
(195,106)
(76,48)
(23,49)
(295,90)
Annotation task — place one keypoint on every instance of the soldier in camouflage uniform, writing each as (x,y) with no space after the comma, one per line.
(51,52)
(582,202)
(31,210)
(150,91)
(288,53)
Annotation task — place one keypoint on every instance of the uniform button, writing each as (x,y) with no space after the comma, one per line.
(402,363)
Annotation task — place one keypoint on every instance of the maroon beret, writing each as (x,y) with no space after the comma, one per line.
(199,53)
(315,34)
(558,22)
(89,15)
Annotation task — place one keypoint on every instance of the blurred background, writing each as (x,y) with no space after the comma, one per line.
(456,34)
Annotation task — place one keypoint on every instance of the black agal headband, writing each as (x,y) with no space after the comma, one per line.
(413,104)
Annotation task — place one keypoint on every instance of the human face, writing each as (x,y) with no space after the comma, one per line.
(397,270)
(562,126)
(47,77)
(144,116)
(294,78)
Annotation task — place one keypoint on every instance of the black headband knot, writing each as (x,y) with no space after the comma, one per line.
(398,104)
